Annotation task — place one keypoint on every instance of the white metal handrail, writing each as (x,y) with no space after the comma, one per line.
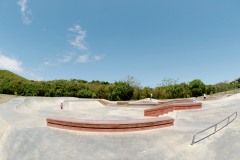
(215,126)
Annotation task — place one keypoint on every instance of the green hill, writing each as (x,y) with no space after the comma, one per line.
(11,83)
(7,75)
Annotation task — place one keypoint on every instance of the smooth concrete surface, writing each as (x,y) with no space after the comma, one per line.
(24,134)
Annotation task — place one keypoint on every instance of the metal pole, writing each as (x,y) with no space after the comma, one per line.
(228,120)
(193,139)
(215,129)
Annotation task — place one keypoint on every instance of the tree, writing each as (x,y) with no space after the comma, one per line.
(169,89)
(146,92)
(122,91)
(85,93)
(210,89)
(181,91)
(136,93)
(168,82)
(133,82)
(197,87)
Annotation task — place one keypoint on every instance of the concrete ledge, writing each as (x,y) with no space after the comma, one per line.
(103,102)
(122,103)
(109,125)
(169,107)
(176,101)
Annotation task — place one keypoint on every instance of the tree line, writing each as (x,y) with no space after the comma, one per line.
(128,89)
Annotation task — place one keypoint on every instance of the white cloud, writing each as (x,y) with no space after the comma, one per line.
(78,56)
(97,57)
(83,58)
(33,76)
(79,37)
(79,42)
(73,57)
(60,59)
(64,59)
(14,65)
(46,63)
(25,12)
(9,63)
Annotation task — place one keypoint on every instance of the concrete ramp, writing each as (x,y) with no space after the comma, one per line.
(145,101)
(37,103)
(81,104)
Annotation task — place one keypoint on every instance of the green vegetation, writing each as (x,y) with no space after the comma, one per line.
(13,84)
(197,87)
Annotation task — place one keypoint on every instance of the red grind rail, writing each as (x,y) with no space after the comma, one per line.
(169,107)
(109,125)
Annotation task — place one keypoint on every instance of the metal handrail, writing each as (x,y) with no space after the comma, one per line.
(216,129)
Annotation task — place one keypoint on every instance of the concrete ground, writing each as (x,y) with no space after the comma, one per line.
(25,136)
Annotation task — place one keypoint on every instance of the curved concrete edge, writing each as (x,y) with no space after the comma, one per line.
(109,125)
(128,103)
(160,110)
(176,101)
(103,102)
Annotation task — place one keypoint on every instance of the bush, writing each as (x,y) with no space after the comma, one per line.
(197,87)
(122,91)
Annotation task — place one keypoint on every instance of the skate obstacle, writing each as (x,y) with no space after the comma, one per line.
(164,108)
(126,125)
(109,125)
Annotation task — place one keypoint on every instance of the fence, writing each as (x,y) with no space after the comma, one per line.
(215,128)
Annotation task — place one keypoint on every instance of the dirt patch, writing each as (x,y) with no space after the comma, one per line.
(4,98)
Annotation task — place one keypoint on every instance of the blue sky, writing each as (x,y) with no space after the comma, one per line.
(109,40)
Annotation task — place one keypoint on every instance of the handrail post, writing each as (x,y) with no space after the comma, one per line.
(228,120)
(215,129)
(193,139)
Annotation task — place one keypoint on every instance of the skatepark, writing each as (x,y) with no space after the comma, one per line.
(26,134)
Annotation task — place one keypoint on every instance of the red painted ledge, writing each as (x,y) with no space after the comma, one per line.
(169,107)
(109,125)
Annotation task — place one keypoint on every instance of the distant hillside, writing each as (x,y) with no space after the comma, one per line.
(11,83)
(7,75)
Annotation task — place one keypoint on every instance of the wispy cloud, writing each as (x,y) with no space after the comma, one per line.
(83,58)
(33,76)
(15,65)
(72,58)
(79,37)
(9,63)
(79,43)
(97,58)
(26,14)
(58,60)
(81,53)
(64,59)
